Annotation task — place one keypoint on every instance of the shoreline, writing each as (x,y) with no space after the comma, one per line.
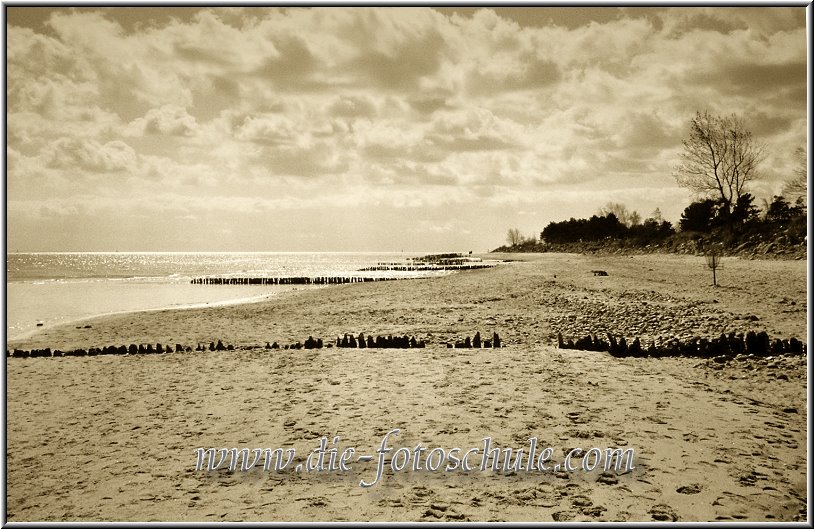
(184,307)
(728,307)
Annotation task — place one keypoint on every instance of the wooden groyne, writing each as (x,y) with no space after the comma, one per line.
(410,267)
(752,343)
(319,280)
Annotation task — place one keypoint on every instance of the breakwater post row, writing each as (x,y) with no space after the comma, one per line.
(751,343)
(319,280)
(348,340)
(477,343)
(399,267)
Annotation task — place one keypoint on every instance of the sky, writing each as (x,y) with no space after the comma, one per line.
(374,129)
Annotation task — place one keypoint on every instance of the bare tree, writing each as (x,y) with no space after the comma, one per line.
(513,237)
(625,216)
(720,157)
(797,186)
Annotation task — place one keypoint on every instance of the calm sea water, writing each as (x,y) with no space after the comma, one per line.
(56,288)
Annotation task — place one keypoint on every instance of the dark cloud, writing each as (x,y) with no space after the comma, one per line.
(764,125)
(642,130)
(752,79)
(427,105)
(295,66)
(194,53)
(401,68)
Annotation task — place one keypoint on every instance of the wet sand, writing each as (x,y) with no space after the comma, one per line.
(112,438)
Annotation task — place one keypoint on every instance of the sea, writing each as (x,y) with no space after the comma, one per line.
(49,289)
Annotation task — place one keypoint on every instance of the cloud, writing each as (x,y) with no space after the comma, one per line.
(113,156)
(316,106)
(475,129)
(169,120)
(353,106)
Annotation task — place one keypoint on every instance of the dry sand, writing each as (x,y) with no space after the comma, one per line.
(112,438)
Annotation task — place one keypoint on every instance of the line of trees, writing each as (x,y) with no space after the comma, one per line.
(607,226)
(719,159)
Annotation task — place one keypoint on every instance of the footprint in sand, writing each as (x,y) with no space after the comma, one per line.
(663,513)
(693,488)
(595,511)
(581,501)
(607,478)
(563,516)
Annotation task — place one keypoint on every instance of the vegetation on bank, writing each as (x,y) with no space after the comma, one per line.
(720,158)
(777,231)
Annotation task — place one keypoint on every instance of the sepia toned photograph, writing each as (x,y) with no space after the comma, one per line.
(437,263)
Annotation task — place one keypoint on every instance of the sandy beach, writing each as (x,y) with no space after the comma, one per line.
(113,438)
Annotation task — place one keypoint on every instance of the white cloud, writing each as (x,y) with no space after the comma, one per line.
(170,120)
(89,155)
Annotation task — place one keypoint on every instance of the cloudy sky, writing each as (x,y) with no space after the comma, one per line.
(365,129)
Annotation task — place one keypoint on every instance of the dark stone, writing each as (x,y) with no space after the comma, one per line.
(495,341)
(476,341)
